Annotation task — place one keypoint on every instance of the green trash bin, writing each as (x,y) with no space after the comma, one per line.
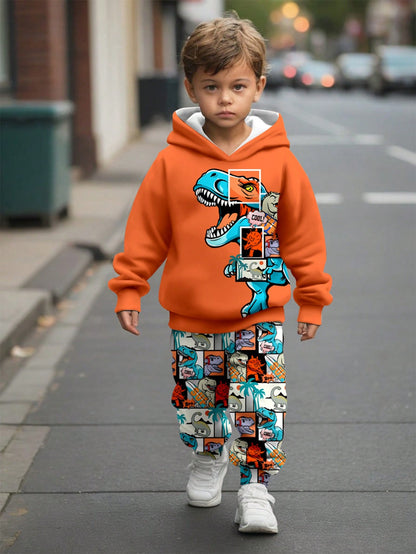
(35,165)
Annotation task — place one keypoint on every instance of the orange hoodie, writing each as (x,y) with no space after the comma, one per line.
(227,227)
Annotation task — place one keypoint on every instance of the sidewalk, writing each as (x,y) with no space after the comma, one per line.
(90,458)
(39,266)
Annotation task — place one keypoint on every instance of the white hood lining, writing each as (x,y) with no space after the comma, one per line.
(258,120)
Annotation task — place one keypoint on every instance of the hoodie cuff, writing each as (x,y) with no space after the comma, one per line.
(310,314)
(128,299)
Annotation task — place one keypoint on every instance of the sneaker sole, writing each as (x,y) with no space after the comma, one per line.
(206,503)
(254,528)
(259,529)
(214,501)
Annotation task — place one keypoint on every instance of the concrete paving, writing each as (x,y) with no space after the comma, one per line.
(93,463)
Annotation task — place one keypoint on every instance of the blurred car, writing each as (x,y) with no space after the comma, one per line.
(292,63)
(275,77)
(354,69)
(316,74)
(394,69)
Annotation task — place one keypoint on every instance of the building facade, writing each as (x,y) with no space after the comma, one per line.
(93,53)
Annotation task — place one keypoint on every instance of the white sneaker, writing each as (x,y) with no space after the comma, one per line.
(254,512)
(205,481)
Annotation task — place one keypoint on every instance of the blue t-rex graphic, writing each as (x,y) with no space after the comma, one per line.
(187,363)
(269,335)
(267,419)
(236,196)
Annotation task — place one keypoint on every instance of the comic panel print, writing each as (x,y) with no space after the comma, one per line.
(204,430)
(197,341)
(244,186)
(252,242)
(245,423)
(270,337)
(251,270)
(249,452)
(246,339)
(214,363)
(195,422)
(251,455)
(213,446)
(269,425)
(237,398)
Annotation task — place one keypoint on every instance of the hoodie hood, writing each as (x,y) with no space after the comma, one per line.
(184,135)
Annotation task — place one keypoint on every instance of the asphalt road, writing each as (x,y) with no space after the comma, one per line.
(111,475)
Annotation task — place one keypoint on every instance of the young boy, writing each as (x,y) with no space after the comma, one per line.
(229,208)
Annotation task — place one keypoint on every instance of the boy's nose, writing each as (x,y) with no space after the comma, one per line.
(225,98)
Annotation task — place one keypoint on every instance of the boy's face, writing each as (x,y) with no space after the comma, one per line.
(225,98)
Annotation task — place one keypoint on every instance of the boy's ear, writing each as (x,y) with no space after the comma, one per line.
(261,83)
(190,90)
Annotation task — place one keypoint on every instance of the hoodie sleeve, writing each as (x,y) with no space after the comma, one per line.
(146,240)
(302,243)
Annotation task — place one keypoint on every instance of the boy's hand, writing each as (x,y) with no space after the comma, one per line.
(129,320)
(307,330)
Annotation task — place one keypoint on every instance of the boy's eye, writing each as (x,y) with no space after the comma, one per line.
(239,87)
(210,87)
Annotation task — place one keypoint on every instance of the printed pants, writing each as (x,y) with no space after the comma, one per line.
(241,373)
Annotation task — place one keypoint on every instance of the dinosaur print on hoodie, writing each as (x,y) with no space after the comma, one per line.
(239,199)
(227,234)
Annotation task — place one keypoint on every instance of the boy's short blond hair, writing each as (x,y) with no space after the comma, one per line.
(220,43)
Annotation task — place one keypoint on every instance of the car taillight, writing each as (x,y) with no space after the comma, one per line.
(289,71)
(307,79)
(327,81)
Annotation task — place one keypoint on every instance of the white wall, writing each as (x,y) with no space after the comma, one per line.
(144,22)
(194,12)
(170,61)
(113,77)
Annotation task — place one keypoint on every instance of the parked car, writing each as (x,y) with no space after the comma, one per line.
(394,69)
(354,69)
(275,77)
(316,74)
(292,63)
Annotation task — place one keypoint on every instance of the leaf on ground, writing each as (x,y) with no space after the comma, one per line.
(46,321)
(22,351)
(64,305)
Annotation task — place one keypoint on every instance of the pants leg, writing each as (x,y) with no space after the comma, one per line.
(257,400)
(201,392)
(245,372)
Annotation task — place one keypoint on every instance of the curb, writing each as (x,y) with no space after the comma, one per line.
(49,286)
(59,275)
(28,305)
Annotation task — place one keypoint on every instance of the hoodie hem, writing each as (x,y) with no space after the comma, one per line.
(195,325)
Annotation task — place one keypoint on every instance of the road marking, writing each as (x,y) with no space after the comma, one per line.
(336,140)
(390,197)
(402,154)
(317,121)
(324,124)
(329,198)
(369,140)
(393,198)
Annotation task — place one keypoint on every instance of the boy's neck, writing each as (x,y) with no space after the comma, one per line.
(227,139)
